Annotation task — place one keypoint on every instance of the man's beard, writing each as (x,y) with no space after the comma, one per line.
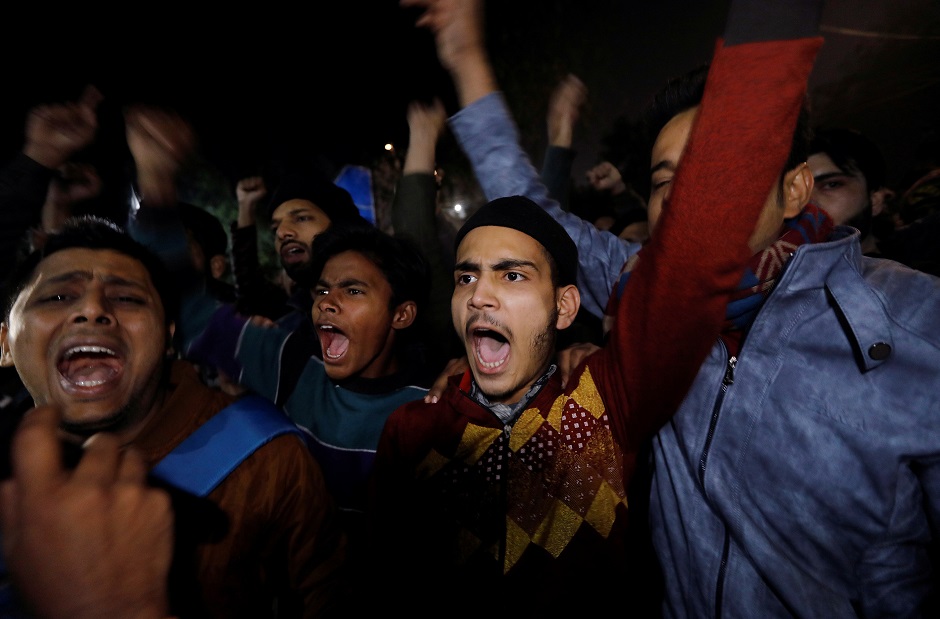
(301,273)
(863,221)
(114,423)
(542,346)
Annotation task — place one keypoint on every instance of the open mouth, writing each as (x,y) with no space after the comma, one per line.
(491,348)
(333,341)
(89,367)
(293,253)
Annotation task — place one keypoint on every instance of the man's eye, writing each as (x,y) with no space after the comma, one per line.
(659,184)
(130,299)
(465,279)
(321,292)
(832,184)
(55,298)
(353,291)
(514,276)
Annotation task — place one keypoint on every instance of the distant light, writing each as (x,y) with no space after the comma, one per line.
(458,207)
(389,146)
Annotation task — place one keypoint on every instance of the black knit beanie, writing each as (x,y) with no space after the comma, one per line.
(524,215)
(329,197)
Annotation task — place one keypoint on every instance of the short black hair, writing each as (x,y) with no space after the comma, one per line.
(206,229)
(400,260)
(685,92)
(92,232)
(522,214)
(852,152)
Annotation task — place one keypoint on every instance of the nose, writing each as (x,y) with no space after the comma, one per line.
(283,231)
(94,307)
(327,302)
(482,296)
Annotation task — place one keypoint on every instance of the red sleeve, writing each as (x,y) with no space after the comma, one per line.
(673,308)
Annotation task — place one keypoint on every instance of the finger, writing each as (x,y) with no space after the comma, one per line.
(454,366)
(564,368)
(7,508)
(36,456)
(100,462)
(437,389)
(91,97)
(132,467)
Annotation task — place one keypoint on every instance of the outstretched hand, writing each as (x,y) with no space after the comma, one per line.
(249,191)
(564,110)
(454,366)
(606,177)
(93,542)
(55,132)
(570,358)
(160,141)
(457,26)
(426,123)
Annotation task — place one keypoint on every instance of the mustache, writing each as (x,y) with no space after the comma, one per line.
(483,317)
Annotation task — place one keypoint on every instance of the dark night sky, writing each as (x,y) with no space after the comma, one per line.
(262,82)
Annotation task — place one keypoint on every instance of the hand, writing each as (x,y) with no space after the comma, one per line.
(93,542)
(56,132)
(457,26)
(262,321)
(606,177)
(564,109)
(426,123)
(75,182)
(160,141)
(454,366)
(250,191)
(570,358)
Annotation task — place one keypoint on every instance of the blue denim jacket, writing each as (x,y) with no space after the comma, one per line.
(804,478)
(488,135)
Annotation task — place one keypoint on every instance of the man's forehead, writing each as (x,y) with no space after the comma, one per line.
(351,265)
(673,137)
(821,164)
(77,262)
(497,243)
(297,205)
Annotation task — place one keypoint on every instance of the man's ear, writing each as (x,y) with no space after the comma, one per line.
(404,315)
(797,189)
(879,200)
(6,355)
(568,303)
(170,332)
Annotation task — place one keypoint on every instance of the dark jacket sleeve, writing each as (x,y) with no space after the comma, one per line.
(256,294)
(23,186)
(556,173)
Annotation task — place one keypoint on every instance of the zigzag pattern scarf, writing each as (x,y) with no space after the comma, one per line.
(760,276)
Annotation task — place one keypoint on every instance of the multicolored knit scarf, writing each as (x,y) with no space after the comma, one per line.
(760,276)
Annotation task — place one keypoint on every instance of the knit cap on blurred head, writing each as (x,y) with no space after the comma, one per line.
(333,200)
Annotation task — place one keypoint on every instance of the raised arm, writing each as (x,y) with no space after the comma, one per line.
(488,135)
(743,129)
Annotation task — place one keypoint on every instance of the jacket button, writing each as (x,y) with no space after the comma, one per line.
(879,351)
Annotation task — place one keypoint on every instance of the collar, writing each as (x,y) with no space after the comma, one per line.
(508,412)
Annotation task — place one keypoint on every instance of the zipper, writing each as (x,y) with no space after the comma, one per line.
(726,381)
(720,585)
(503,494)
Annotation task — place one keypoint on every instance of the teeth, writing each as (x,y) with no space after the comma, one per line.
(89,349)
(89,383)
(492,365)
(326,327)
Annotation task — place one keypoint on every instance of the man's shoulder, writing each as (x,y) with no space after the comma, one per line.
(910,297)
